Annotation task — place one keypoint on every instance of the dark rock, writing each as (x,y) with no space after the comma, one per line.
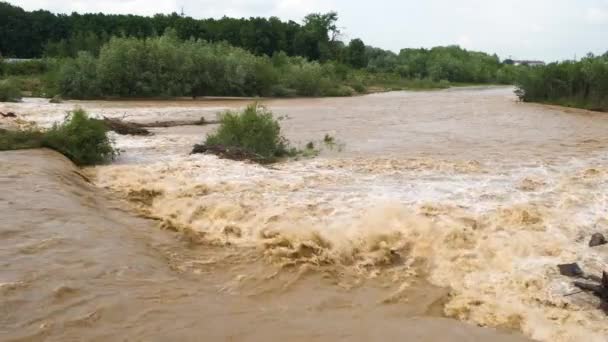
(597,240)
(571,270)
(199,149)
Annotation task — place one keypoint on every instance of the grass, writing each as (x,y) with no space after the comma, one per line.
(80,138)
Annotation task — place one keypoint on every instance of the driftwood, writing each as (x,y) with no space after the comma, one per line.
(125,127)
(8,115)
(598,286)
(165,124)
(133,128)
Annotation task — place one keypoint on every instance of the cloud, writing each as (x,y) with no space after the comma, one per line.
(596,15)
(464,41)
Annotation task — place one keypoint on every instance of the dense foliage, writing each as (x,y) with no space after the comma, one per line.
(253,130)
(168,66)
(34,34)
(450,63)
(580,84)
(22,68)
(80,138)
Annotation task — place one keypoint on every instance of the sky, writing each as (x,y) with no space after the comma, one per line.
(547,30)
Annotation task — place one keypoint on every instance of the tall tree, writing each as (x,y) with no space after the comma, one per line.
(356,54)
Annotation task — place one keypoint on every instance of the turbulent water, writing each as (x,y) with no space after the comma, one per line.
(455,203)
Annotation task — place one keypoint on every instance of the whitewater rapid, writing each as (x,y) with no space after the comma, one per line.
(467,190)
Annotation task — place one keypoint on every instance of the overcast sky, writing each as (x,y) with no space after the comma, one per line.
(525,29)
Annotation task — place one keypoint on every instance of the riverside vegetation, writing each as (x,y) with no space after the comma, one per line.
(97,55)
(582,84)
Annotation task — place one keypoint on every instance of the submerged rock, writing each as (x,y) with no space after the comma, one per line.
(571,270)
(597,240)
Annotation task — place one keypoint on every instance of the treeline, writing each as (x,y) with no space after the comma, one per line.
(168,66)
(42,33)
(450,63)
(98,55)
(582,84)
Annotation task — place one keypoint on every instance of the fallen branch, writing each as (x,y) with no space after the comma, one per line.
(125,127)
(134,128)
(8,115)
(165,124)
(598,286)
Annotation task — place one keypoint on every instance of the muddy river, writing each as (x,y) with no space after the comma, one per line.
(432,216)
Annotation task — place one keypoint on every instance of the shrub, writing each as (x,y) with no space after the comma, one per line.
(281,91)
(24,67)
(359,87)
(56,99)
(339,91)
(81,139)
(77,78)
(9,91)
(253,130)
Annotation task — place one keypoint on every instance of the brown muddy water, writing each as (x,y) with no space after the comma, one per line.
(433,215)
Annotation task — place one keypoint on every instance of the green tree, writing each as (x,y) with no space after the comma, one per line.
(356,54)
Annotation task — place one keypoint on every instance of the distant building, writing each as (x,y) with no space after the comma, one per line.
(528,63)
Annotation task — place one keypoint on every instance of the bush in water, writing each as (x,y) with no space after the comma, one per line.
(254,131)
(80,138)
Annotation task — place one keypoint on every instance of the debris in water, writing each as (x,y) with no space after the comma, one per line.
(594,284)
(8,115)
(133,128)
(164,124)
(125,128)
(599,288)
(571,270)
(597,239)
